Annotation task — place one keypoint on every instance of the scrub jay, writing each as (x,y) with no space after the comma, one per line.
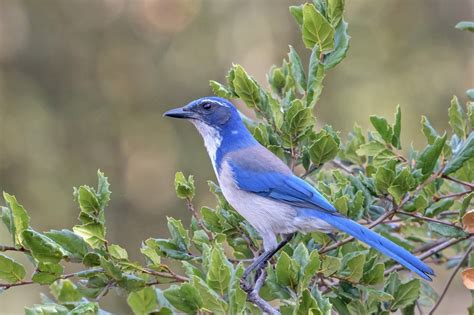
(266,192)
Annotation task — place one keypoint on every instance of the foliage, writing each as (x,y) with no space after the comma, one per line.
(417,200)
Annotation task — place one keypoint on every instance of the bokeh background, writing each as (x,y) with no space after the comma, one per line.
(83,85)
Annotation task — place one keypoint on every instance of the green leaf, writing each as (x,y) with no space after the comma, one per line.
(131,282)
(397,127)
(185,298)
(286,270)
(179,234)
(342,42)
(464,154)
(219,273)
(406,294)
(310,268)
(211,300)
(355,307)
(385,176)
(143,301)
(71,243)
(89,203)
(457,118)
(246,87)
(374,298)
(237,296)
(297,71)
(307,304)
(324,148)
(330,265)
(42,248)
(88,308)
(47,273)
(103,191)
(383,128)
(428,158)
(111,269)
(297,12)
(335,10)
(92,233)
(316,73)
(298,119)
(353,266)
(446,230)
(10,270)
(374,275)
(438,207)
(430,133)
(65,291)
(465,26)
(220,90)
(20,217)
(47,309)
(118,252)
(317,30)
(184,187)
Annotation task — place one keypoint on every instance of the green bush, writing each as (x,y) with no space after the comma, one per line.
(418,199)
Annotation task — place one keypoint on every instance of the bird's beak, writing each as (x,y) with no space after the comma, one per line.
(180,112)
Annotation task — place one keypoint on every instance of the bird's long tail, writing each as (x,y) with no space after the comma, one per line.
(372,239)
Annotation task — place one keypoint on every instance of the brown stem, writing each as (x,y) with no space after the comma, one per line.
(195,214)
(455,271)
(170,275)
(453,195)
(6,286)
(340,165)
(470,185)
(4,248)
(419,216)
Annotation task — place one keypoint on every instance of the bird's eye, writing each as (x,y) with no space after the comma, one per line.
(206,106)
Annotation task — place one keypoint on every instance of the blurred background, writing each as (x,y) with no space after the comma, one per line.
(83,85)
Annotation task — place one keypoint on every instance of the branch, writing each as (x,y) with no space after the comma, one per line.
(463,259)
(470,185)
(454,195)
(430,252)
(6,286)
(261,303)
(4,248)
(421,217)
(170,275)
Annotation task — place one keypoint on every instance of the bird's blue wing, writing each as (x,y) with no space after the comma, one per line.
(284,187)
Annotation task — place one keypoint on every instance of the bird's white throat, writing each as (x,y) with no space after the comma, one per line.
(212,139)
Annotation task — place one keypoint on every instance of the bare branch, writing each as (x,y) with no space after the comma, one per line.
(455,271)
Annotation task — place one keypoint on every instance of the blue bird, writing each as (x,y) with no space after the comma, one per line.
(266,192)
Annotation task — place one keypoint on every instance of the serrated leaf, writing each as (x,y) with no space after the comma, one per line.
(383,128)
(74,245)
(211,300)
(397,127)
(464,154)
(237,296)
(375,275)
(405,294)
(10,270)
(323,149)
(428,158)
(307,304)
(297,71)
(220,90)
(316,73)
(118,252)
(85,308)
(184,188)
(457,118)
(330,265)
(65,291)
(185,298)
(286,270)
(342,43)
(297,12)
(92,233)
(317,30)
(430,133)
(246,87)
(356,307)
(46,309)
(41,247)
(143,301)
(179,235)
(103,190)
(334,11)
(353,266)
(47,273)
(20,218)
(219,273)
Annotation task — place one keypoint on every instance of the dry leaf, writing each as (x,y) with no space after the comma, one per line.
(468,278)
(468,221)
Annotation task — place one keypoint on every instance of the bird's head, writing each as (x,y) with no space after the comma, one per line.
(213,112)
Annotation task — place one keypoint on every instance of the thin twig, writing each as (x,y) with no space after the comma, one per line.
(454,195)
(340,165)
(105,290)
(421,217)
(4,248)
(170,275)
(470,185)
(455,271)
(6,286)
(192,209)
(430,252)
